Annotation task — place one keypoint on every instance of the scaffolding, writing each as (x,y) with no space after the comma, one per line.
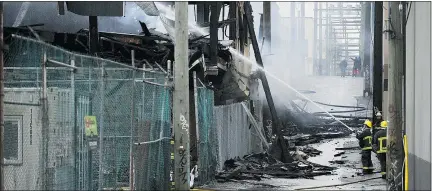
(338,27)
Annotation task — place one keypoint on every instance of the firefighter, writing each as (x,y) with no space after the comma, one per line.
(356,67)
(379,145)
(365,142)
(379,119)
(343,66)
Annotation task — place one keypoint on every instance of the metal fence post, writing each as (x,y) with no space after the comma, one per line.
(45,125)
(75,125)
(90,112)
(101,128)
(197,130)
(131,162)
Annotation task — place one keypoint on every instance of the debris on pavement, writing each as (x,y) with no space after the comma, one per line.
(310,151)
(339,154)
(263,165)
(338,161)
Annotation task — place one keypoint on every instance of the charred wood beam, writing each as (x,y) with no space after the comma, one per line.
(139,37)
(144,28)
(34,33)
(285,156)
(109,48)
(221,24)
(61,7)
(203,13)
(206,15)
(82,44)
(214,22)
(94,34)
(145,50)
(232,14)
(243,34)
(198,38)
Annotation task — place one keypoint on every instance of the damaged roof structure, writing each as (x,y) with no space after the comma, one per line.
(125,26)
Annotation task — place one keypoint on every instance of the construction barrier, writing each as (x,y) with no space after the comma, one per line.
(74,122)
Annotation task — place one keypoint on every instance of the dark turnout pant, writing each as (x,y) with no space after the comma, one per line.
(343,72)
(366,159)
(382,159)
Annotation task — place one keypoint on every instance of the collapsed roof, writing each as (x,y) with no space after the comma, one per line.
(135,31)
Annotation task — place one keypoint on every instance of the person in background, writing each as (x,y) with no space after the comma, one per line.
(379,146)
(356,67)
(343,66)
(365,142)
(379,119)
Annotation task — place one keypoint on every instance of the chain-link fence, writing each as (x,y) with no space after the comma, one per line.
(74,122)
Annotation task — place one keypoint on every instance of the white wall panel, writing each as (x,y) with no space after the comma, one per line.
(418,95)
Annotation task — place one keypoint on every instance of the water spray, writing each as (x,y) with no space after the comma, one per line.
(238,55)
(193,26)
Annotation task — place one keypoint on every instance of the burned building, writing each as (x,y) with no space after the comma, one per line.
(119,35)
(112,38)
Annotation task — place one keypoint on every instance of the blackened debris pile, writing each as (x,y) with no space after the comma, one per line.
(310,151)
(263,165)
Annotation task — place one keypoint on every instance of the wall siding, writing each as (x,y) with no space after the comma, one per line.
(418,95)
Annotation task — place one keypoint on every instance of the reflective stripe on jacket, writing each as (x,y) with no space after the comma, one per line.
(367,143)
(380,141)
(365,139)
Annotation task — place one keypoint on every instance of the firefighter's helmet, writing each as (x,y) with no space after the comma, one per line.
(368,123)
(379,114)
(384,124)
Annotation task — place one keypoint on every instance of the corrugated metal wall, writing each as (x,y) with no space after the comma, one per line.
(418,95)
(236,136)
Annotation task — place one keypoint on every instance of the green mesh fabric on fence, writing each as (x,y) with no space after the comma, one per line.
(127,109)
(154,122)
(208,143)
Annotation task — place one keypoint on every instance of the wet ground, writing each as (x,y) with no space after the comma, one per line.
(345,173)
(331,90)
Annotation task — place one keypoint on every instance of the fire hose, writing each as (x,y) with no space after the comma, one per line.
(343,184)
(342,106)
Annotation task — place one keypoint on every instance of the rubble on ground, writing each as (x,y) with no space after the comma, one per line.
(338,161)
(310,151)
(306,139)
(263,165)
(339,154)
(299,130)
